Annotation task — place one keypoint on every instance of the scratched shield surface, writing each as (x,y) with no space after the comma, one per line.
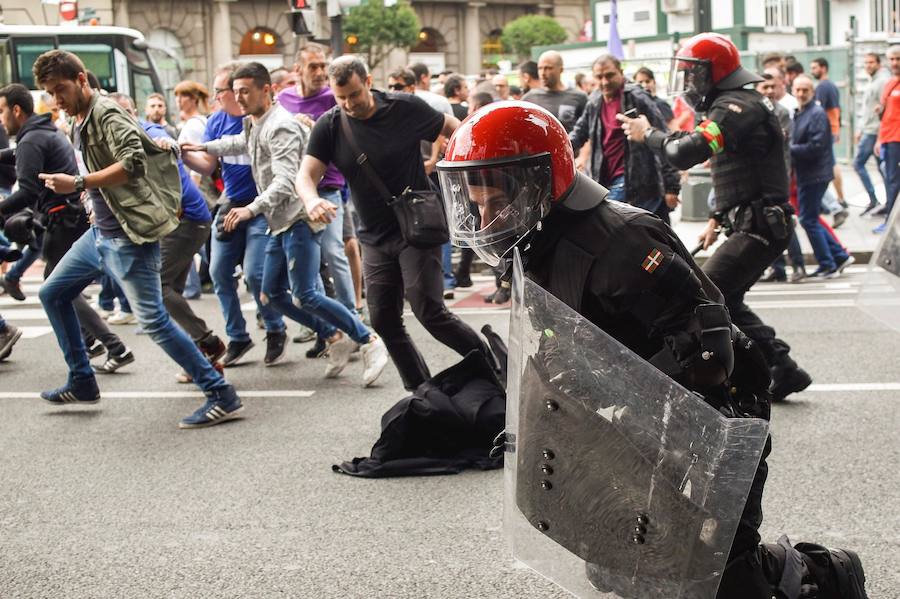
(618,481)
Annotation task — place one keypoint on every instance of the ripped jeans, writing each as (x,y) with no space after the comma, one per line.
(291,285)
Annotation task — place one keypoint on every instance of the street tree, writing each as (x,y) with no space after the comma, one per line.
(374,30)
(522,34)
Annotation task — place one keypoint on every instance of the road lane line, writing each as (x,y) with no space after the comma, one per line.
(244,393)
(838,387)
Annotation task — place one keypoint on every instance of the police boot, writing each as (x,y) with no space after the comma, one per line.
(808,571)
(788,378)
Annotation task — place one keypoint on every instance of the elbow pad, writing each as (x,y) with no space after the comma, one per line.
(685,152)
(716,336)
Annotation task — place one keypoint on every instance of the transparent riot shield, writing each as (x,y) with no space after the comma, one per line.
(619,482)
(879,294)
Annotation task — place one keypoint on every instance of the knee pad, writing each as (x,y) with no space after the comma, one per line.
(808,571)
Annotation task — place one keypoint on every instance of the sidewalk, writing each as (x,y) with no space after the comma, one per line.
(855,234)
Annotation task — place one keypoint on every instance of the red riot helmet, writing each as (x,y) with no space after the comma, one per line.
(706,62)
(504,167)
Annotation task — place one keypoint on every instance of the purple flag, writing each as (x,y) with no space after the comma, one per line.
(614,45)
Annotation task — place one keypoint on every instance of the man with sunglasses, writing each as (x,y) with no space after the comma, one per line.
(246,245)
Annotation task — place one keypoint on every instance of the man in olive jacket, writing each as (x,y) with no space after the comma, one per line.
(138,204)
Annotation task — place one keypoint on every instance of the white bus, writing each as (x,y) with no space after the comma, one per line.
(118,56)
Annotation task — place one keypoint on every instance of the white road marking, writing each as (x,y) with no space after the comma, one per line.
(8,302)
(35,332)
(837,387)
(244,393)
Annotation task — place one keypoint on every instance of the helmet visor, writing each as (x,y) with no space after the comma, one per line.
(490,207)
(690,78)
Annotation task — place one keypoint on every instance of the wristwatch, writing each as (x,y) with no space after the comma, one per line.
(79,183)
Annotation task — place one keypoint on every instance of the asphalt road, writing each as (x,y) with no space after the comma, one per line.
(115,501)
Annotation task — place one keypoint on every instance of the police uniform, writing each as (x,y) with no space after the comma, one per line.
(743,140)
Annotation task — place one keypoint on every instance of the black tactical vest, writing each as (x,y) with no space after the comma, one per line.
(752,165)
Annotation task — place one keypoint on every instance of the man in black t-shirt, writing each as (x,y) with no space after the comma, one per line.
(388,128)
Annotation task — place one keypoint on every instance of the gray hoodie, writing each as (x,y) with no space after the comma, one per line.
(275,144)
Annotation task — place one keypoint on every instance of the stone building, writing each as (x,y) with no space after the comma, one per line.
(456,34)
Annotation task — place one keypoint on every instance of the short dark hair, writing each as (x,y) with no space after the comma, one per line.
(453,85)
(255,71)
(230,68)
(343,69)
(607,58)
(57,63)
(93,81)
(767,76)
(17,94)
(794,68)
(515,90)
(875,55)
(529,67)
(406,76)
(821,62)
(646,72)
(481,99)
(419,70)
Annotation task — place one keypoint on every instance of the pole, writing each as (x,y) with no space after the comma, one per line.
(702,16)
(851,85)
(337,36)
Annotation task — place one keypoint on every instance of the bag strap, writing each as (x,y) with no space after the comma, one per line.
(363,161)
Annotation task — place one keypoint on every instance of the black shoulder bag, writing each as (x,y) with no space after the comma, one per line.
(420,213)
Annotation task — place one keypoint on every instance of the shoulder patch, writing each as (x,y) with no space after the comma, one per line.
(768,104)
(735,108)
(653,260)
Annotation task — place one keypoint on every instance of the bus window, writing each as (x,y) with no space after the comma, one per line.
(5,63)
(97,58)
(142,84)
(27,52)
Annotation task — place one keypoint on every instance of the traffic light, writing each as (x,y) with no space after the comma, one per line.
(303,17)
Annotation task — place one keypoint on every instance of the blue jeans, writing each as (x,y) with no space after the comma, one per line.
(109,291)
(136,268)
(333,251)
(291,285)
(247,243)
(828,252)
(864,151)
(29,257)
(617,189)
(447,266)
(892,173)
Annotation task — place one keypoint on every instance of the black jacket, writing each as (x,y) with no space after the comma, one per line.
(647,177)
(40,148)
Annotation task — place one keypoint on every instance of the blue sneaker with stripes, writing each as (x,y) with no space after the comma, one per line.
(221,404)
(74,393)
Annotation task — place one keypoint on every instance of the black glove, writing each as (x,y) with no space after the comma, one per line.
(19,227)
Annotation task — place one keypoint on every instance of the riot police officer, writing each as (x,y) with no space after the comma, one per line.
(742,139)
(509,180)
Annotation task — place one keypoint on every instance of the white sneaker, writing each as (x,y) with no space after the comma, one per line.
(104,314)
(375,358)
(339,354)
(119,317)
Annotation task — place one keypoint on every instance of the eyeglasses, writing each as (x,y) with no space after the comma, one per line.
(397,87)
(220,90)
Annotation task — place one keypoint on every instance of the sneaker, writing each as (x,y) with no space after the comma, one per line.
(338,355)
(773,276)
(260,323)
(85,392)
(489,299)
(872,206)
(502,295)
(10,254)
(104,314)
(275,350)
(236,350)
(118,317)
(375,358)
(822,273)
(448,294)
(318,350)
(787,380)
(798,275)
(879,230)
(840,218)
(96,349)
(847,262)
(113,363)
(8,338)
(305,335)
(880,212)
(12,288)
(221,404)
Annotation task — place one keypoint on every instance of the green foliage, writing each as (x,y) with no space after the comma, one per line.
(524,33)
(379,29)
